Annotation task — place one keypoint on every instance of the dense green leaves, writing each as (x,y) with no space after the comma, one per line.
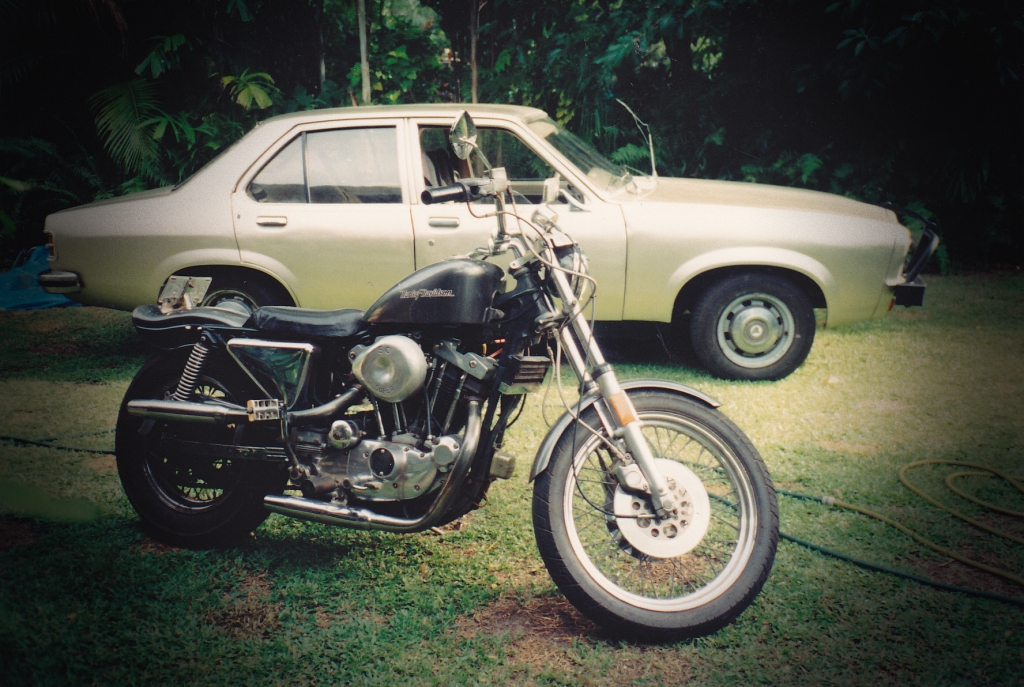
(121,113)
(908,100)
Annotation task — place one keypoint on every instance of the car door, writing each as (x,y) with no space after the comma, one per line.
(326,211)
(452,228)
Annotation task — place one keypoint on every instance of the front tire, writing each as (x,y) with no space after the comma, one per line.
(190,500)
(752,327)
(594,556)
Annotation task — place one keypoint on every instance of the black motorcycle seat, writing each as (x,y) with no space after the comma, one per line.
(305,322)
(181,327)
(150,318)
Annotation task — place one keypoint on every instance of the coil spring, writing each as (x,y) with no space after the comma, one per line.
(190,376)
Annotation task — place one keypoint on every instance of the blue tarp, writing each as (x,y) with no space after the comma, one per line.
(19,290)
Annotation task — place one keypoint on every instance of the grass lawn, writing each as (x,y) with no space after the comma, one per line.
(86,597)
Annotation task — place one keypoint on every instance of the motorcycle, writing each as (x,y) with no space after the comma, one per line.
(653,513)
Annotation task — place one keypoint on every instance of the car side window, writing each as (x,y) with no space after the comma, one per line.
(526,170)
(357,165)
(281,180)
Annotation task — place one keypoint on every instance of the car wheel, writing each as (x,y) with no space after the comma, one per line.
(752,327)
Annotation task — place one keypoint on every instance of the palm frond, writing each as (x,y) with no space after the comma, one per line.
(122,112)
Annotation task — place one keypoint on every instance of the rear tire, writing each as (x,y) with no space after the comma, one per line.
(191,501)
(593,555)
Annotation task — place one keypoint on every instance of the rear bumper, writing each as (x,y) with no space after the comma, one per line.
(59,281)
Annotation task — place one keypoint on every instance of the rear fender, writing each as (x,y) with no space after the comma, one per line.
(631,386)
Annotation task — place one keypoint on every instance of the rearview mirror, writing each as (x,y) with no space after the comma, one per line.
(550,191)
(463,136)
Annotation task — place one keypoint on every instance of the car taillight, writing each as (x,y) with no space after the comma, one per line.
(51,247)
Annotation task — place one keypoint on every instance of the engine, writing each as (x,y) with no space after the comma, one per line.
(400,444)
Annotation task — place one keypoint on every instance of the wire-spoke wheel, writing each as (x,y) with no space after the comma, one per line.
(184,496)
(682,576)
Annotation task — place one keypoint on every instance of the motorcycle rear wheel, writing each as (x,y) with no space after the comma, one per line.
(193,501)
(588,550)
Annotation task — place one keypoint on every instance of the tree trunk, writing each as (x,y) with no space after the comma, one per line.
(364,60)
(474,24)
(318,18)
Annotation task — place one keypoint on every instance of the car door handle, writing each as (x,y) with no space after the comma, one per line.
(444,222)
(266,221)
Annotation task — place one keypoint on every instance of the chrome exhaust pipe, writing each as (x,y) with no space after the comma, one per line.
(184,411)
(365,519)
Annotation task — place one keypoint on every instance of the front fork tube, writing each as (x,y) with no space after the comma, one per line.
(622,416)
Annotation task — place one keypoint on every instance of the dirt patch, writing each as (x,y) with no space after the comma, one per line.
(19,417)
(152,546)
(848,447)
(14,533)
(456,525)
(962,575)
(44,326)
(103,464)
(56,349)
(540,638)
(888,405)
(247,614)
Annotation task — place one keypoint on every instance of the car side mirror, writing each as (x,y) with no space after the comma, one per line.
(463,136)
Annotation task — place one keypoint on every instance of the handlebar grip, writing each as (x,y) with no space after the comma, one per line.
(446,194)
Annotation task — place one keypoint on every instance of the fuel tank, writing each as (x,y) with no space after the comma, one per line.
(449,292)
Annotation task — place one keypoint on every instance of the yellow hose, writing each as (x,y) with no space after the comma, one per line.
(1016,482)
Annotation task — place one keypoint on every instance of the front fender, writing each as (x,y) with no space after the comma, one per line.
(543,457)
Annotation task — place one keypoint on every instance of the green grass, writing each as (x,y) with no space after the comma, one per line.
(302,603)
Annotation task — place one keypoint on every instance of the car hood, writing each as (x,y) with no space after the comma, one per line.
(743,194)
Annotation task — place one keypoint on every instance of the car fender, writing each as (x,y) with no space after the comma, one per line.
(630,386)
(754,256)
(180,263)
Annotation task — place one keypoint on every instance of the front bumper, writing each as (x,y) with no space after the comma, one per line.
(59,281)
(910,290)
(910,293)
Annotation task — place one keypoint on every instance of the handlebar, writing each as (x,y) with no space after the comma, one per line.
(457,192)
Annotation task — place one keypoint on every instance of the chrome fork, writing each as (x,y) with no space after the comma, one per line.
(623,416)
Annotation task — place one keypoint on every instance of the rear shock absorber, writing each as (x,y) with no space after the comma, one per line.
(190,376)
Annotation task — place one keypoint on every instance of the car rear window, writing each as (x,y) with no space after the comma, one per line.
(357,165)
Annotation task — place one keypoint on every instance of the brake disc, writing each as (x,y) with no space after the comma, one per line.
(665,537)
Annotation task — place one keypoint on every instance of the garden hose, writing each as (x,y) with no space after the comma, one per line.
(975,470)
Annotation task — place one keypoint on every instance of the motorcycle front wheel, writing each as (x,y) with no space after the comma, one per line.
(634,573)
(183,497)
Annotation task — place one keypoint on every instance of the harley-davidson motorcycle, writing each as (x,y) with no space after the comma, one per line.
(653,513)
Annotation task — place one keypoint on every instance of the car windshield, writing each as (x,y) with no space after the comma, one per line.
(605,174)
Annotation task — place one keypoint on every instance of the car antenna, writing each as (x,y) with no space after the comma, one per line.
(642,125)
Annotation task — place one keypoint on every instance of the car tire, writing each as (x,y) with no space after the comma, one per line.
(752,327)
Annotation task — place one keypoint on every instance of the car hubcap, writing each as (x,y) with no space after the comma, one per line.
(755,330)
(231,300)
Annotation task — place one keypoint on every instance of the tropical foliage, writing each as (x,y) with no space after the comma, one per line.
(918,101)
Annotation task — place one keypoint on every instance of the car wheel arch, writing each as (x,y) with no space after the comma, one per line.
(240,278)
(695,287)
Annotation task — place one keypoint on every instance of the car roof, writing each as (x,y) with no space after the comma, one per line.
(526,114)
